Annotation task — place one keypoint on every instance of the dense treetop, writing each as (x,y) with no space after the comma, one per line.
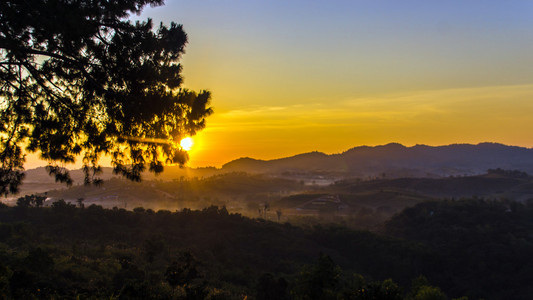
(477,248)
(79,78)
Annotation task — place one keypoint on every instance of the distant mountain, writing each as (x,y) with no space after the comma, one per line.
(396,160)
(302,162)
(386,161)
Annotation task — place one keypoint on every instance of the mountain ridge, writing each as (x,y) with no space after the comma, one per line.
(446,160)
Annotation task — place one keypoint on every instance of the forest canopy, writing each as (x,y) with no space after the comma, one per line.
(79,79)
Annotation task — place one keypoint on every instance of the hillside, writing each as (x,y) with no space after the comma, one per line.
(496,184)
(239,192)
(388,161)
(366,203)
(486,244)
(395,160)
(356,203)
(473,247)
(38,180)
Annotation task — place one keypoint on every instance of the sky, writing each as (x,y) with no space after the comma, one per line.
(296,76)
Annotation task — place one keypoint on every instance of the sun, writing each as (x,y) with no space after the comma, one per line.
(186,143)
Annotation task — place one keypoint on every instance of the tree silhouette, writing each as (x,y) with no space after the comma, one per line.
(80,202)
(152,247)
(265,207)
(268,288)
(79,79)
(182,271)
(31,200)
(321,280)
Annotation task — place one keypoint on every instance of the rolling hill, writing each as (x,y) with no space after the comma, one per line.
(396,160)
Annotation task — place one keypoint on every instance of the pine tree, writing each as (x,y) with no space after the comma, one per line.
(77,78)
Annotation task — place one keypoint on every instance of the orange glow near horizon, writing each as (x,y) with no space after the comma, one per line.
(500,114)
(433,117)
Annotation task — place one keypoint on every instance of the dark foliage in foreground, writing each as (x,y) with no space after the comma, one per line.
(485,246)
(63,252)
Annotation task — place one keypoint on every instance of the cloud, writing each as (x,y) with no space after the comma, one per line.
(495,113)
(254,110)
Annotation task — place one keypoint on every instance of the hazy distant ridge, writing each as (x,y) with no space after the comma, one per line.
(399,160)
